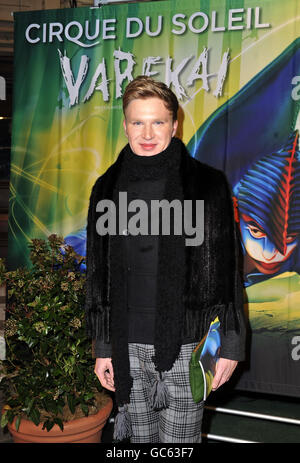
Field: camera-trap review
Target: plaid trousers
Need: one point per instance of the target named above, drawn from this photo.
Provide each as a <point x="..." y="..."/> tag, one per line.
<point x="181" y="421"/>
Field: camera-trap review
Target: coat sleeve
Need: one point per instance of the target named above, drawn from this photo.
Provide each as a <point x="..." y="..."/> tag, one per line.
<point x="96" y="310"/>
<point x="101" y="349"/>
<point x="233" y="341"/>
<point x="89" y="265"/>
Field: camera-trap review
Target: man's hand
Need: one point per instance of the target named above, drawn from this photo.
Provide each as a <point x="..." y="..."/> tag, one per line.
<point x="224" y="370"/>
<point x="104" y="371"/>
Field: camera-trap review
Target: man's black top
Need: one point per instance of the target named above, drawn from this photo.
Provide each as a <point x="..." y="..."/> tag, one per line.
<point x="142" y="262"/>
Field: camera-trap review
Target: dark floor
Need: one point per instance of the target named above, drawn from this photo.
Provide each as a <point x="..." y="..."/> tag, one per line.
<point x="249" y="428"/>
<point x="217" y="425"/>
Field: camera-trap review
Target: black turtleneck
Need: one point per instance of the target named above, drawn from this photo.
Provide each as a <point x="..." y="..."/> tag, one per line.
<point x="142" y="263"/>
<point x="147" y="177"/>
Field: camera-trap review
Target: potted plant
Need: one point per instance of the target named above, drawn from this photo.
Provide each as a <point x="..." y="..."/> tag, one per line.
<point x="48" y="378"/>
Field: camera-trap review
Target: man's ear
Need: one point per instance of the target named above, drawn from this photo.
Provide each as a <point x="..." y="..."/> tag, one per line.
<point x="175" y="126"/>
<point x="125" y="129"/>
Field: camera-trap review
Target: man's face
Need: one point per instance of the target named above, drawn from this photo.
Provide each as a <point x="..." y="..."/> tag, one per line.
<point x="149" y="126"/>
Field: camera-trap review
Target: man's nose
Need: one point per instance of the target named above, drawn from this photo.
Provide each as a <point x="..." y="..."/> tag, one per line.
<point x="148" y="131"/>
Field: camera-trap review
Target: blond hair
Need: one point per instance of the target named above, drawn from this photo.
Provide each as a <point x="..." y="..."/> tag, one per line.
<point x="145" y="87"/>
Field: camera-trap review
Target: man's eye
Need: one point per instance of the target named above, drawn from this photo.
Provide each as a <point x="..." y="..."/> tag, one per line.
<point x="137" y="123"/>
<point x="159" y="122"/>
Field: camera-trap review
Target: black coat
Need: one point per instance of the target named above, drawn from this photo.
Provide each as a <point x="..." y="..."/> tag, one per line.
<point x="196" y="283"/>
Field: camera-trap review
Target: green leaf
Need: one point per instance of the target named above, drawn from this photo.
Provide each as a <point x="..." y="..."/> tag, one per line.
<point x="50" y="405"/>
<point x="79" y="374"/>
<point x="71" y="403"/>
<point x="18" y="421"/>
<point x="4" y="419"/>
<point x="59" y="422"/>
<point x="85" y="409"/>
<point x="30" y="405"/>
<point x="10" y="415"/>
<point x="35" y="416"/>
<point x="48" y="425"/>
<point x="60" y="409"/>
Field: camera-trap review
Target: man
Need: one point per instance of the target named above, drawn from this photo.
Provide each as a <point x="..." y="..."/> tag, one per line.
<point x="151" y="297"/>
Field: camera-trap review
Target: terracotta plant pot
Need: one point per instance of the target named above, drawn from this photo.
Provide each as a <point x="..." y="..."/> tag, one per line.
<point x="82" y="430"/>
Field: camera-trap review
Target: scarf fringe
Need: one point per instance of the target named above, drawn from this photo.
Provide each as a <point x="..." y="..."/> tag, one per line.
<point x="227" y="313"/>
<point x="159" y="394"/>
<point x="195" y="320"/>
<point x="122" y="427"/>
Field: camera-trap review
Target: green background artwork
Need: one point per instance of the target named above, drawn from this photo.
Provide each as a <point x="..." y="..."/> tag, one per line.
<point x="71" y="67"/>
<point x="59" y="150"/>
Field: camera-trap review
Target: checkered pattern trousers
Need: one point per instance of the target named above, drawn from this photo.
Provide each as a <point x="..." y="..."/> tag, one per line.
<point x="181" y="421"/>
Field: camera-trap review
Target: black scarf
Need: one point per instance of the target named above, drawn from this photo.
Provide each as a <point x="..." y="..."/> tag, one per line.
<point x="171" y="250"/>
<point x="195" y="283"/>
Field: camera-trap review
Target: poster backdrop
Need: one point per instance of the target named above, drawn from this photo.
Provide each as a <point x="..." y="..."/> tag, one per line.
<point x="235" y="67"/>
